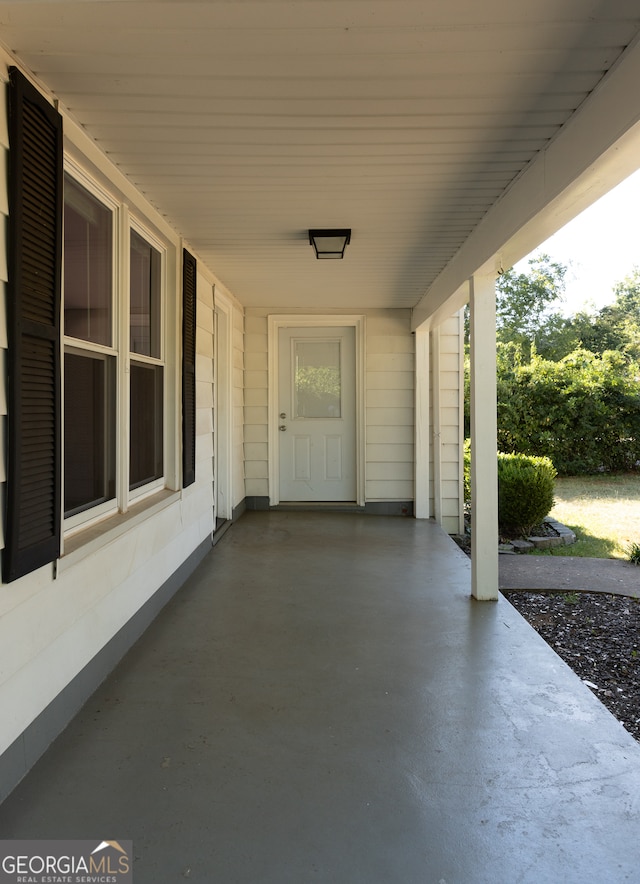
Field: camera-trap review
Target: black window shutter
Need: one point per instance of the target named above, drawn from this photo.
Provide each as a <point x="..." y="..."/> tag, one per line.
<point x="189" y="267"/>
<point x="33" y="507"/>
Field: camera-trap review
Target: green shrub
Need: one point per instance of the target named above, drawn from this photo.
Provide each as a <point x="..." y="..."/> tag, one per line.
<point x="525" y="492"/>
<point x="633" y="553"/>
<point x="467" y="469"/>
<point x="525" y="489"/>
<point x="583" y="411"/>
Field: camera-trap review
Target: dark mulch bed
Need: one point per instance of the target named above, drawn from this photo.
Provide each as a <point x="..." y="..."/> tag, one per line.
<point x="598" y="636"/>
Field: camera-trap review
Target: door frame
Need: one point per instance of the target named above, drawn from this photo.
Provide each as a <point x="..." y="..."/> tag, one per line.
<point x="288" y="320"/>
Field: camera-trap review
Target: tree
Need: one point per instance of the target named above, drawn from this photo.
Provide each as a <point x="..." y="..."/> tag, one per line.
<point x="619" y="322"/>
<point x="524" y="302"/>
<point x="614" y="327"/>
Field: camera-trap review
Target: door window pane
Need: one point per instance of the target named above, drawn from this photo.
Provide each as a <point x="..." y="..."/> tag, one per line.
<point x="89" y="431"/>
<point x="317" y="387"/>
<point x="146" y="456"/>
<point x="88" y="233"/>
<point x="144" y="297"/>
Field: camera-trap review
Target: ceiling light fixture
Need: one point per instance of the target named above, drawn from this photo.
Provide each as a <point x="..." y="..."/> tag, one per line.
<point x="329" y="243"/>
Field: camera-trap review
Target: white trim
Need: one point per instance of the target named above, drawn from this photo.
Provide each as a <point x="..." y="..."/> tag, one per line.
<point x="146" y="490"/>
<point x="68" y="344"/>
<point x="101" y="531"/>
<point x="123" y="418"/>
<point x="461" y="395"/>
<point x="295" y="320"/>
<point x="74" y="524"/>
<point x="437" y="424"/>
<point x="422" y="429"/>
<point x="161" y="247"/>
<point x="223" y="405"/>
<point x="484" y="446"/>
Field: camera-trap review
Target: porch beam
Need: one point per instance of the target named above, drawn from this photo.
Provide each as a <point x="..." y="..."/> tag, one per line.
<point x="595" y="150"/>
<point x="484" y="462"/>
<point x="422" y="509"/>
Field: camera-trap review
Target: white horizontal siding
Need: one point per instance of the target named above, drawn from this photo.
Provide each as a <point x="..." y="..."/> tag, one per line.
<point x="204" y="393"/>
<point x="238" y="427"/>
<point x="389" y="344"/>
<point x="392" y="490"/>
<point x="389" y="471"/>
<point x="450" y="449"/>
<point x="390" y="407"/>
<point x="389" y="380"/>
<point x="381" y="435"/>
<point x="256" y="399"/>
<point x="389" y="362"/>
<point x="393" y="397"/>
<point x="390" y="417"/>
<point x="389" y="453"/>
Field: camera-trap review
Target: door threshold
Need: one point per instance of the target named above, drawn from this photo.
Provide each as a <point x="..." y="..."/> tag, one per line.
<point x="371" y="508"/>
<point x="333" y="506"/>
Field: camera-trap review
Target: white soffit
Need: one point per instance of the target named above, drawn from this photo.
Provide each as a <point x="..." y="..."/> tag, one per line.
<point x="247" y="123"/>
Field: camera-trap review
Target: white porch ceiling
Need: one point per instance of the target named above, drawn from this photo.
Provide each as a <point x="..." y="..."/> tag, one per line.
<point x="247" y="122"/>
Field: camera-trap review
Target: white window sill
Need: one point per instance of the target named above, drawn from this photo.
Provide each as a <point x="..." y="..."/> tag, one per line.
<point x="84" y="543"/>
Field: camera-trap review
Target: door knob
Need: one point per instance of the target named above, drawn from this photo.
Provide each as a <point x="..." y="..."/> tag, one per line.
<point x="282" y="428"/>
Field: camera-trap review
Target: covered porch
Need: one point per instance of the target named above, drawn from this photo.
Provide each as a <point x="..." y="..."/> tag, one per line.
<point x="324" y="701"/>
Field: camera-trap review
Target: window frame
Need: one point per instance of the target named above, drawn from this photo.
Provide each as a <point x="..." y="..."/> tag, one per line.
<point x="86" y="517"/>
<point x="123" y="223"/>
<point x="142" y="491"/>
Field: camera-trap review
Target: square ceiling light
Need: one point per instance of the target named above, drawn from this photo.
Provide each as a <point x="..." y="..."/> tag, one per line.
<point x="329" y="243"/>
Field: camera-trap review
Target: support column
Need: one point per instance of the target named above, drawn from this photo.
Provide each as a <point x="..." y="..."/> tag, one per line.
<point x="484" y="444"/>
<point x="436" y="421"/>
<point x="422" y="431"/>
<point x="461" y="427"/>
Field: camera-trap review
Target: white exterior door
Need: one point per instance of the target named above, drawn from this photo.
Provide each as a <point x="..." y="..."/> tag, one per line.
<point x="317" y="414"/>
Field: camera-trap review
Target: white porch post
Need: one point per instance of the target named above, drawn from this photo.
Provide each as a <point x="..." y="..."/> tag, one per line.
<point x="436" y="420"/>
<point x="421" y="454"/>
<point x="484" y="466"/>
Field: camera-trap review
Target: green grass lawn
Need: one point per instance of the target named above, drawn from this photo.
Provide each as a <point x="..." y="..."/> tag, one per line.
<point x="604" y="512"/>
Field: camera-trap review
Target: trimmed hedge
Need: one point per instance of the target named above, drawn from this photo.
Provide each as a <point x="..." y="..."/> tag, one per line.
<point x="525" y="492"/>
<point x="583" y="412"/>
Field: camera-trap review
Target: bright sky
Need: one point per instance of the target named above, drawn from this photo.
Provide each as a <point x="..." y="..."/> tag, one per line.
<point x="602" y="246"/>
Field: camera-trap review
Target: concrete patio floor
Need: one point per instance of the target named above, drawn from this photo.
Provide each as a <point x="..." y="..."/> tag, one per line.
<point x="324" y="702"/>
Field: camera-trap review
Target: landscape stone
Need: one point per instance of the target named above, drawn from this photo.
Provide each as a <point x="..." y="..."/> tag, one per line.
<point x="522" y="545"/>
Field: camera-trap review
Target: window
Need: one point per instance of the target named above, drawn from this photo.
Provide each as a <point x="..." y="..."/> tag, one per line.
<point x="88" y="265"/>
<point x="144" y="297"/>
<point x="90" y="358"/>
<point x="89" y="429"/>
<point x="112" y="367"/>
<point x="146" y="391"/>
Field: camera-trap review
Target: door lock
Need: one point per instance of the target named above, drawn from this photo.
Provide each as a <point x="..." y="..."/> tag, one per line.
<point x="282" y="416"/>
